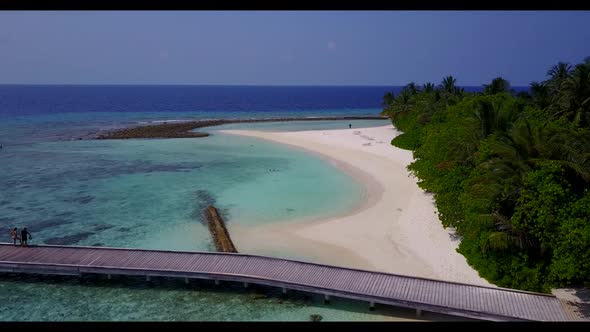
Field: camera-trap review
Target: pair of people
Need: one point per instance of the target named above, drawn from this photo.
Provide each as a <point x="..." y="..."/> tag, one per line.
<point x="24" y="236"/>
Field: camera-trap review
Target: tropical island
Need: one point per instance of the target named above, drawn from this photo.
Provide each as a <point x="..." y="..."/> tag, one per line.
<point x="136" y="172"/>
<point x="510" y="172"/>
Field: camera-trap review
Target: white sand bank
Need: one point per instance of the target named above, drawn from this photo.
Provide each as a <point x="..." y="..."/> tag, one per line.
<point x="396" y="229"/>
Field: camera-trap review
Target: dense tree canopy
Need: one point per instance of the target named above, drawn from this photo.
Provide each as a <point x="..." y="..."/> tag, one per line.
<point x="510" y="172"/>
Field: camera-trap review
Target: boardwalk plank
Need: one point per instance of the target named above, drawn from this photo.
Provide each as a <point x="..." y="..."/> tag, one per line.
<point x="67" y="257"/>
<point x="373" y="289"/>
<point x="128" y="259"/>
<point x="360" y="285"/>
<point x="390" y="287"/>
<point x="241" y="267"/>
<point x="380" y="285"/>
<point x="405" y="289"/>
<point x="133" y="260"/>
<point x="123" y="259"/>
<point x="207" y="264"/>
<point x="288" y="273"/>
<point x="33" y="257"/>
<point x="508" y="300"/>
<point x="88" y="257"/>
<point x="186" y="262"/>
<point x="203" y="264"/>
<point x="325" y="276"/>
<point x="412" y="290"/>
<point x="335" y="279"/>
<point x="312" y="277"/>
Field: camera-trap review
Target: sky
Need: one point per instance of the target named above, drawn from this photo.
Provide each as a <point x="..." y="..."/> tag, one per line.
<point x="287" y="47"/>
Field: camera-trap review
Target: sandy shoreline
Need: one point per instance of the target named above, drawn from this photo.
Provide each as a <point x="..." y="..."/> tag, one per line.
<point x="396" y="228"/>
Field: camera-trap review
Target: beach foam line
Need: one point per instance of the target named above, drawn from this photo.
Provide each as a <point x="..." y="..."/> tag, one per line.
<point x="165" y="121"/>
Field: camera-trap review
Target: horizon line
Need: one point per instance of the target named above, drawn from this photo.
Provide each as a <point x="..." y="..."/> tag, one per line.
<point x="226" y="85"/>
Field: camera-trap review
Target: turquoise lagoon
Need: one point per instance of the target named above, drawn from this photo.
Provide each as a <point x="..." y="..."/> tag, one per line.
<point x="150" y="194"/>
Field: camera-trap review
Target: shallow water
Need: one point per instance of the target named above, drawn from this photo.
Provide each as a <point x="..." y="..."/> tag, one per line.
<point x="35" y="298"/>
<point x="150" y="194"/>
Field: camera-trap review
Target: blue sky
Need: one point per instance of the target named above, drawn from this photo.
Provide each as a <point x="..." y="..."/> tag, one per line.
<point x="287" y="48"/>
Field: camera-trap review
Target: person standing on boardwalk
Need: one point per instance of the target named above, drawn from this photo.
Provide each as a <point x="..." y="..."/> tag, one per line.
<point x="24" y="236"/>
<point x="14" y="235"/>
<point x="349" y="125"/>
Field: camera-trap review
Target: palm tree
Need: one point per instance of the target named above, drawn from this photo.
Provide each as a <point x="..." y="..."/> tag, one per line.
<point x="540" y="94"/>
<point x="428" y="87"/>
<point x="448" y="84"/>
<point x="576" y="90"/>
<point x="558" y="74"/>
<point x="524" y="95"/>
<point x="401" y="105"/>
<point x="388" y="99"/>
<point x="412" y="88"/>
<point x="560" y="71"/>
<point x="571" y="97"/>
<point x="495" y="117"/>
<point x="506" y="236"/>
<point x="498" y="85"/>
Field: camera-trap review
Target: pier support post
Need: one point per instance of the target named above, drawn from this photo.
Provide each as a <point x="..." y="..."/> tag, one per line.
<point x="326" y="299"/>
<point x="284" y="291"/>
<point x="371" y="306"/>
<point x="108" y="276"/>
<point x="216" y="282"/>
<point x="147" y="278"/>
<point x="418" y="313"/>
<point x="186" y="280"/>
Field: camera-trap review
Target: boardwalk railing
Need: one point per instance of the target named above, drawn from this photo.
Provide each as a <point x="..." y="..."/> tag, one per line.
<point x="479" y="302"/>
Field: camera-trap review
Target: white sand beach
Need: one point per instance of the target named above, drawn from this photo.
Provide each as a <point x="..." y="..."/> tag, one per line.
<point x="395" y="230"/>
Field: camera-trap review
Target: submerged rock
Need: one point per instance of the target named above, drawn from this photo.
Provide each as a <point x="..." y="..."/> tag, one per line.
<point x="65" y="214"/>
<point x="102" y="227"/>
<point x="48" y="223"/>
<point x="70" y="239"/>
<point x="203" y="199"/>
<point x="81" y="200"/>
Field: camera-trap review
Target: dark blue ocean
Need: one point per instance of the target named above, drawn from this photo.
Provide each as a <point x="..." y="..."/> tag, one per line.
<point x="54" y="99"/>
<point x="30" y="100"/>
<point x="32" y="113"/>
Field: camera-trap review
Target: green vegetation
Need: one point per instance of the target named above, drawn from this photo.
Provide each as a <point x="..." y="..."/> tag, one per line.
<point x="510" y="172"/>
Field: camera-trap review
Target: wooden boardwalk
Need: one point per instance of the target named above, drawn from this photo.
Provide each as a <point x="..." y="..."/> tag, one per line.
<point x="449" y="298"/>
